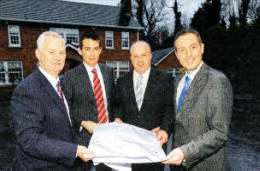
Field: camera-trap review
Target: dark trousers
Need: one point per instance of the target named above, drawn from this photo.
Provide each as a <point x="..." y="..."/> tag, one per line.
<point x="82" y="166"/>
<point x="148" y="167"/>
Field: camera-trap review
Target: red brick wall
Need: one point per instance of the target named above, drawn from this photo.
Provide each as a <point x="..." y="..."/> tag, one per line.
<point x="170" y="62"/>
<point x="30" y="32"/>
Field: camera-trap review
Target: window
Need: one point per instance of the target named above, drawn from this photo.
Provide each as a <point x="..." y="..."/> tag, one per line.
<point x="11" y="72"/>
<point x="71" y="36"/>
<point x="14" y="36"/>
<point x="119" y="67"/>
<point x="109" y="39"/>
<point x="125" y="40"/>
<point x="173" y="71"/>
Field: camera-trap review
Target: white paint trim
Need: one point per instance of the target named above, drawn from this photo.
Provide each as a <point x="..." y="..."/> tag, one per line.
<point x="164" y="57"/>
<point x="109" y="32"/>
<point x="127" y="35"/>
<point x="15" y="29"/>
<point x="72" y="47"/>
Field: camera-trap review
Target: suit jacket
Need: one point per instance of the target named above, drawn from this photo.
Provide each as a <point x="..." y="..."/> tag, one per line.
<point x="78" y="88"/>
<point x="202" y="122"/>
<point x="157" y="108"/>
<point x="45" y="140"/>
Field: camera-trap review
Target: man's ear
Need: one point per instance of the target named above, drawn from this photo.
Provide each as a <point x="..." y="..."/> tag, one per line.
<point x="37" y="54"/>
<point x="79" y="51"/>
<point x="202" y="47"/>
<point x="100" y="50"/>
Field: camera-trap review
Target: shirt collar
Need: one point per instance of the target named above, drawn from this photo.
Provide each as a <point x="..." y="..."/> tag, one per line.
<point x="49" y="77"/>
<point x="145" y="74"/>
<point x="194" y="72"/>
<point x="89" y="68"/>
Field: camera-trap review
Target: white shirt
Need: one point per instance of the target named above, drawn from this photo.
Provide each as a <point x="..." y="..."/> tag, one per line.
<point x="144" y="80"/>
<point x="54" y="82"/>
<point x="191" y="75"/>
<point x="100" y="76"/>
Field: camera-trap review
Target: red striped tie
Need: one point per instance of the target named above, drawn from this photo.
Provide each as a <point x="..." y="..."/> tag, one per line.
<point x="102" y="113"/>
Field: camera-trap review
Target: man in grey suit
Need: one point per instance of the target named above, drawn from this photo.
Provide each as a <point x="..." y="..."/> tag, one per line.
<point x="89" y="88"/>
<point x="203" y="99"/>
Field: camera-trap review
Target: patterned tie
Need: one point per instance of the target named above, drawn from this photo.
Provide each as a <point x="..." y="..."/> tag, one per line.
<point x="183" y="92"/>
<point x="139" y="92"/>
<point x="102" y="114"/>
<point x="58" y="86"/>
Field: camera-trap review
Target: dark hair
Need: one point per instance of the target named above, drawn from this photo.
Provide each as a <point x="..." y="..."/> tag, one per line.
<point x="185" y="31"/>
<point x="89" y="34"/>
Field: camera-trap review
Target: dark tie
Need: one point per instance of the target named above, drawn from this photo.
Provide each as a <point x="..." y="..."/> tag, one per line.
<point x="58" y="86"/>
<point x="183" y="92"/>
<point x="102" y="114"/>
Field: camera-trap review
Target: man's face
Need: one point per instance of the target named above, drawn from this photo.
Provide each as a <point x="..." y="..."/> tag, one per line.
<point x="52" y="55"/>
<point x="141" y="58"/>
<point x="189" y="51"/>
<point x="90" y="51"/>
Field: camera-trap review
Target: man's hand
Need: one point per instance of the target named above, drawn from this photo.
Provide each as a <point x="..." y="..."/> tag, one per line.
<point x="161" y="134"/>
<point x="89" y="125"/>
<point x="175" y="157"/>
<point x="84" y="154"/>
<point x="118" y="120"/>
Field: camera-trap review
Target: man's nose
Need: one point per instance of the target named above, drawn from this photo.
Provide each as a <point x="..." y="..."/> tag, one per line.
<point x="189" y="52"/>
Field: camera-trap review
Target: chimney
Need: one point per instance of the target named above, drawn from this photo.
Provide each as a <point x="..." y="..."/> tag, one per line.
<point x="125" y="12"/>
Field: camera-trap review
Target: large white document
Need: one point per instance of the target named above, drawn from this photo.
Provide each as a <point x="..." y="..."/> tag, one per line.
<point x="119" y="145"/>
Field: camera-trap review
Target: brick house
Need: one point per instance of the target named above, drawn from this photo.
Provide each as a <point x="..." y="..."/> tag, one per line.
<point x="22" y="21"/>
<point x="166" y="60"/>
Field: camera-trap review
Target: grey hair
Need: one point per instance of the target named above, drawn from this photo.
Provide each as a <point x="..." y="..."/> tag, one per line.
<point x="185" y="31"/>
<point x="140" y="41"/>
<point x="43" y="35"/>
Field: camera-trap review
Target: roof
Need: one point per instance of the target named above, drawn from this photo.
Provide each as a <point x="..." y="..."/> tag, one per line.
<point x="160" y="55"/>
<point x="62" y="12"/>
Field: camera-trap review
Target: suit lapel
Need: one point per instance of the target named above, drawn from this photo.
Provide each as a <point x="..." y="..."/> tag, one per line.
<point x="149" y="88"/>
<point x="130" y="89"/>
<point x="47" y="88"/>
<point x="105" y="75"/>
<point x="197" y="85"/>
<point x="176" y="84"/>
<point x="86" y="83"/>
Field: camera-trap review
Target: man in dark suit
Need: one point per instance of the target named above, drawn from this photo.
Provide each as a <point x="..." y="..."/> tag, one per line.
<point x="144" y="97"/>
<point x="41" y="116"/>
<point x="203" y="99"/>
<point x="89" y="88"/>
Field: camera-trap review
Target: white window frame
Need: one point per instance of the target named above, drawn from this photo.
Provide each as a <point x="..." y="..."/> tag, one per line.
<point x="125" y="37"/>
<point x="109" y="36"/>
<point x="65" y="32"/>
<point x="7" y="72"/>
<point x="116" y="65"/>
<point x="173" y="71"/>
<point x="14" y="31"/>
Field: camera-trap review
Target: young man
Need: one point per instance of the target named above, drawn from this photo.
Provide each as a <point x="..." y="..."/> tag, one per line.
<point x="89" y="88"/>
<point x="203" y="99"/>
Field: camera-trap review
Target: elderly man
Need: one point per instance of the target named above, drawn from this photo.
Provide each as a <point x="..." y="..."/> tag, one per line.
<point x="203" y="99"/>
<point x="144" y="97"/>
<point x="41" y="116"/>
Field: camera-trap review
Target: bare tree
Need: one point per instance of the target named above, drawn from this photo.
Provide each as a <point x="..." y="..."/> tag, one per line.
<point x="252" y="10"/>
<point x="243" y="12"/>
<point x="149" y="14"/>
